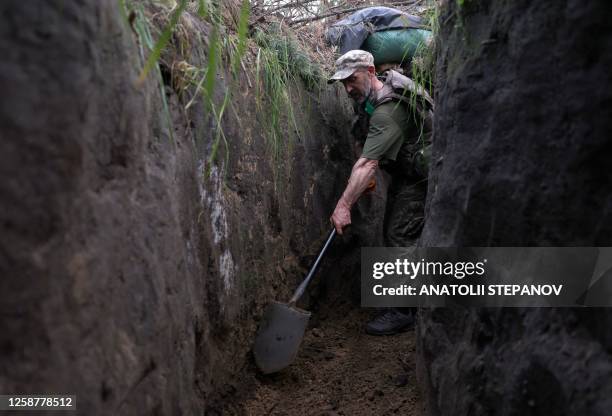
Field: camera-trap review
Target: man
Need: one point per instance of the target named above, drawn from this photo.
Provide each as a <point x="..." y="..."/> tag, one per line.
<point x="393" y="132"/>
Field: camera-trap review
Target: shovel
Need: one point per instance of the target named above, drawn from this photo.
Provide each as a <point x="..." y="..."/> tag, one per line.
<point x="283" y="325"/>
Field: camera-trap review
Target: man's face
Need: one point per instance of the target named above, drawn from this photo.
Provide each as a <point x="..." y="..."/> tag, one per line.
<point x="358" y="85"/>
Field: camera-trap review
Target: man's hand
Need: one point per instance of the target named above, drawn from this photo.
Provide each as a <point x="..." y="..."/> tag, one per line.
<point x="341" y="216"/>
<point x="362" y="177"/>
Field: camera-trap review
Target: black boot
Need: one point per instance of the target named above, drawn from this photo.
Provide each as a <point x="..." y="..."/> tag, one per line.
<point x="390" y="322"/>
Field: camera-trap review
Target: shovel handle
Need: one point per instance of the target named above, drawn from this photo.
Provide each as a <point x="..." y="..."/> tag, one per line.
<point x="302" y="287"/>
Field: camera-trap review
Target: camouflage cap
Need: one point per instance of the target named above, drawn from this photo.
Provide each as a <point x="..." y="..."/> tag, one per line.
<point x="350" y="62"/>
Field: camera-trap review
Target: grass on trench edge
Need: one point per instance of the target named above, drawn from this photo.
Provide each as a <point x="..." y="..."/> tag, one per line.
<point x="142" y="27"/>
<point x="280" y="62"/>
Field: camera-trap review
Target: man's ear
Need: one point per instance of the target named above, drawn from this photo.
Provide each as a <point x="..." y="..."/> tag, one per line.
<point x="372" y="70"/>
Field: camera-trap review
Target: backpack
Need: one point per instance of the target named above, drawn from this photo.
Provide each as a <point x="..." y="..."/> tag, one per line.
<point x="413" y="157"/>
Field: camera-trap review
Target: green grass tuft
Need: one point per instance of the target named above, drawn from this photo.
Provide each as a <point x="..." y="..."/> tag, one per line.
<point x="290" y="54"/>
<point x="146" y="44"/>
<point x="243" y="28"/>
<point x="281" y="62"/>
<point x="162" y="41"/>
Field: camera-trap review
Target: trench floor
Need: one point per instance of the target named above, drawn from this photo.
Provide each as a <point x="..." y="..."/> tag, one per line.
<point x="340" y="370"/>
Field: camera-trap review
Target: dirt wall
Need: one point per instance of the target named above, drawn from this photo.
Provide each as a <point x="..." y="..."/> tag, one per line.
<point x="133" y="269"/>
<point x="521" y="155"/>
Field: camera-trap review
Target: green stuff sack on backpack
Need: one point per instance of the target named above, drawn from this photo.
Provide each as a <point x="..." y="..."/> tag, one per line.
<point x="396" y="46"/>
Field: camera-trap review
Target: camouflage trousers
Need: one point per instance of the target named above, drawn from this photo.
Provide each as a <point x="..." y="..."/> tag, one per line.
<point x="405" y="211"/>
<point x="404" y="216"/>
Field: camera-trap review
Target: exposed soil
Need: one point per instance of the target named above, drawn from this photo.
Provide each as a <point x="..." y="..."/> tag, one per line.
<point x="340" y="370"/>
<point x="522" y="159"/>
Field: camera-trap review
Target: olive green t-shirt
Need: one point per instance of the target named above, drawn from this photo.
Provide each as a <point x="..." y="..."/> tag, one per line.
<point x="390" y="125"/>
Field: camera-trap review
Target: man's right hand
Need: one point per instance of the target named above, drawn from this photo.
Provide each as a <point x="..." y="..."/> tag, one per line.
<point x="362" y="178"/>
<point x="341" y="216"/>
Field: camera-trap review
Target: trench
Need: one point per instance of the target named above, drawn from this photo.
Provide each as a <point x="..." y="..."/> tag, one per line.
<point x="340" y="370"/>
<point x="148" y="218"/>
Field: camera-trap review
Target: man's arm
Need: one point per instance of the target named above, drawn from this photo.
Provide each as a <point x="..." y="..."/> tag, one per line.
<point x="361" y="176"/>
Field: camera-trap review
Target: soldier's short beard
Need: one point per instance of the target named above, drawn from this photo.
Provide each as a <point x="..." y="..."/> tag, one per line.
<point x="361" y="98"/>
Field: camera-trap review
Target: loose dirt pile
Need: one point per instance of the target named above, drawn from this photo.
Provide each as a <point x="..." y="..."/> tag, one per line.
<point x="340" y="370"/>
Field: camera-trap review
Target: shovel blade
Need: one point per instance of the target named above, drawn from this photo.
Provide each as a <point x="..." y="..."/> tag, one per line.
<point x="279" y="337"/>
